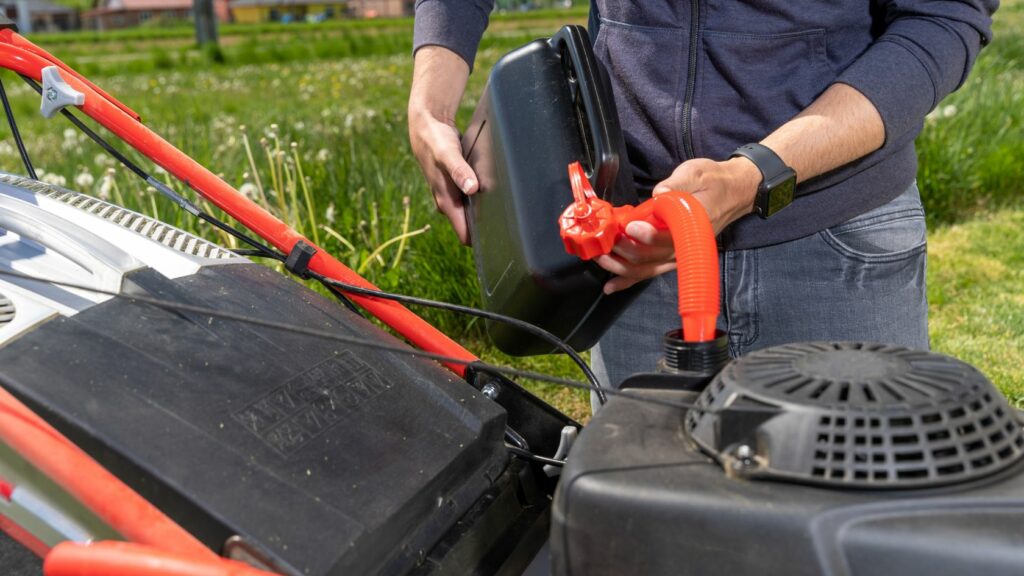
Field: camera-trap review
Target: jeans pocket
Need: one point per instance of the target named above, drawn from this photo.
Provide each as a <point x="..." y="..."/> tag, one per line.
<point x="886" y="234"/>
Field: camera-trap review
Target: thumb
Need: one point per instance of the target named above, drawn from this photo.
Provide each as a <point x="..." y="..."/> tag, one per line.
<point x="642" y="232"/>
<point x="459" y="171"/>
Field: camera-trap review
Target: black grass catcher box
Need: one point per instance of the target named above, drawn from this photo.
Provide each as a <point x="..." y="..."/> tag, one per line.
<point x="546" y="105"/>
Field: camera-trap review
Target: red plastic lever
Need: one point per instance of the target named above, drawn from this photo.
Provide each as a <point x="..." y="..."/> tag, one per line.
<point x="590" y="227"/>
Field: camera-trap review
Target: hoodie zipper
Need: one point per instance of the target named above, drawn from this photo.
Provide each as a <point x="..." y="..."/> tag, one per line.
<point x="691" y="80"/>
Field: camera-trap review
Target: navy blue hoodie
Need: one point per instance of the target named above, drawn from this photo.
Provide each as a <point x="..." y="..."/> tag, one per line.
<point x="698" y="79"/>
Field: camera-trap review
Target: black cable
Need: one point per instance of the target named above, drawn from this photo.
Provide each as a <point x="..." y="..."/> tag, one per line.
<point x="247" y="252"/>
<point x="515" y="322"/>
<point x="534" y="457"/>
<point x="17" y="134"/>
<point x="402" y="349"/>
<point x="330" y="283"/>
<point x="182" y="202"/>
<point x="259" y="249"/>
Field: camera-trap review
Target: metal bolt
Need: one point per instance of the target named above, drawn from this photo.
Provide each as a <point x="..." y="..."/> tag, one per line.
<point x="744" y="452"/>
<point x="51" y="94"/>
<point x="490" y="390"/>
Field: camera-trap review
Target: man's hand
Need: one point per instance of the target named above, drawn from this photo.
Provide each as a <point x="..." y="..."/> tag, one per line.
<point x="839" y="127"/>
<point x="439" y="79"/>
<point x="725" y="189"/>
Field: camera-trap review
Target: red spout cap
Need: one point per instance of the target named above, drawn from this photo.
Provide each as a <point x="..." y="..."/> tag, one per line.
<point x="588" y="226"/>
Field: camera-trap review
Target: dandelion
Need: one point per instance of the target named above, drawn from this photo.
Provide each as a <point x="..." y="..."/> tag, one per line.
<point x="55" y="179"/>
<point x="70" y="134"/>
<point x="323" y="154"/>
<point x="102" y="160"/>
<point x="330" y="213"/>
<point x="249" y="190"/>
<point x="106" y="184"/>
<point x="84" y="180"/>
<point x="949" y="111"/>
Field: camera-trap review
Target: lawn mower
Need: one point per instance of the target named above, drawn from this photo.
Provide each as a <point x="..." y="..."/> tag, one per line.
<point x="170" y="407"/>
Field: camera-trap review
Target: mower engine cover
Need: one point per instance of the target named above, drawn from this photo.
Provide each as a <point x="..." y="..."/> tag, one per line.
<point x="545" y="105"/>
<point x="835" y="459"/>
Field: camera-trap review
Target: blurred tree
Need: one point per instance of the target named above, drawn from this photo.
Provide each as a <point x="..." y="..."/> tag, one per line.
<point x="206" y="22"/>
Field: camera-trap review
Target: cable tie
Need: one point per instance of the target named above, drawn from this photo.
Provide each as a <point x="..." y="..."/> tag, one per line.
<point x="298" y="259"/>
<point x="173" y="196"/>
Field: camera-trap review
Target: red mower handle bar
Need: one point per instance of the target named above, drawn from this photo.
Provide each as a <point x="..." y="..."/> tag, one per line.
<point x="23" y="57"/>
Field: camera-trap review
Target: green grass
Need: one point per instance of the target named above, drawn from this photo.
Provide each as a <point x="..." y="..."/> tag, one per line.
<point x="345" y="112"/>
<point x="972" y="147"/>
<point x="976" y="294"/>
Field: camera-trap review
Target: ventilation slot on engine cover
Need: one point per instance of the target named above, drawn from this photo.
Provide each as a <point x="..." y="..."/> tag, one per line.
<point x="858" y="415"/>
<point x="6" y="310"/>
<point x="148" y="227"/>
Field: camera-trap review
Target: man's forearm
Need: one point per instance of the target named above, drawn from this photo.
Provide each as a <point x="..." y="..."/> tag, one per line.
<point x="839" y="127"/>
<point x="438" y="81"/>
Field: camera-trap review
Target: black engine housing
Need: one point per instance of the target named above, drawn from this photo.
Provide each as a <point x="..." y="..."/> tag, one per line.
<point x="639" y="496"/>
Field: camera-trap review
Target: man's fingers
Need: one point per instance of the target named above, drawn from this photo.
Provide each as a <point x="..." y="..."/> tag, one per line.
<point x="686" y="178"/>
<point x="449" y="202"/>
<point x="455" y="167"/>
<point x="644" y="243"/>
<point x="645" y="233"/>
<point x="625" y="269"/>
<point x="635" y="274"/>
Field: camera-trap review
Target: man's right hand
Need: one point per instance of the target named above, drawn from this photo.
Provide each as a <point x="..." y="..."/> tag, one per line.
<point x="439" y="79"/>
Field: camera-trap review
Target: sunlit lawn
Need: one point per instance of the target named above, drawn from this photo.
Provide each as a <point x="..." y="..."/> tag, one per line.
<point x="346" y="118"/>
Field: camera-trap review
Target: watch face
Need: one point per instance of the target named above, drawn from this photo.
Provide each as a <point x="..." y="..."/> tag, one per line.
<point x="781" y="195"/>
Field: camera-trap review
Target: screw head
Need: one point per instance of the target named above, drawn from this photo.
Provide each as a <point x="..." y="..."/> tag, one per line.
<point x="490" y="390"/>
<point x="51" y="94"/>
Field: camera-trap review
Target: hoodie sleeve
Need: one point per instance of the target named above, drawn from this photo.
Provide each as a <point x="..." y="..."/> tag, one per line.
<point x="924" y="53"/>
<point x="454" y="24"/>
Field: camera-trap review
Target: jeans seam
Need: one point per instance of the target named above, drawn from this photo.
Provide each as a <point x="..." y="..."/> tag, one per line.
<point x="756" y="316"/>
<point x="894" y="216"/>
<point x="865" y="257"/>
<point x="738" y="344"/>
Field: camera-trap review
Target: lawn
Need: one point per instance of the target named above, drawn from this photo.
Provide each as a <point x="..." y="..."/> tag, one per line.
<point x="311" y="122"/>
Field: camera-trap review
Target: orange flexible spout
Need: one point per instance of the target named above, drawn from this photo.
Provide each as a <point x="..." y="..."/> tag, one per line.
<point x="128" y="559"/>
<point x="591" y="226"/>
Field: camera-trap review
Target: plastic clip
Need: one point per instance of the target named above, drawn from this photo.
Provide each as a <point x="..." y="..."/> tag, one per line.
<point x="57" y="94"/>
<point x="298" y="259"/>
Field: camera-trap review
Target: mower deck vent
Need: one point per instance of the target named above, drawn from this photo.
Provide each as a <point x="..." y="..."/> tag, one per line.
<point x="856" y="415"/>
<point x="153" y="229"/>
<point x="6" y="310"/>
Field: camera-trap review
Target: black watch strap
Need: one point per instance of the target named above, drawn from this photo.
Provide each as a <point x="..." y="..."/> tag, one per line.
<point x="778" y="181"/>
<point x="766" y="160"/>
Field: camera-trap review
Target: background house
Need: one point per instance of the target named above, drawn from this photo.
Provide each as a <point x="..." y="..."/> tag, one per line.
<point x="123" y="13"/>
<point x="40" y="15"/>
<point x="381" y="8"/>
<point x="255" y="11"/>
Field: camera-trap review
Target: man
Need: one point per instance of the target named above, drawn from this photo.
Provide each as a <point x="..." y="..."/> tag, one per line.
<point x="724" y="100"/>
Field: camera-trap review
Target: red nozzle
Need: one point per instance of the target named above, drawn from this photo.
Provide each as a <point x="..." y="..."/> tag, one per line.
<point x="590" y="227"/>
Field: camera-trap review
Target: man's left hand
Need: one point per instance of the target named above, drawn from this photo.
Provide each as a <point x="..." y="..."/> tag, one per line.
<point x="725" y="189"/>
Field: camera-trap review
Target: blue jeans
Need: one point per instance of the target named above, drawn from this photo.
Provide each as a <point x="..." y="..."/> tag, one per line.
<point x="862" y="280"/>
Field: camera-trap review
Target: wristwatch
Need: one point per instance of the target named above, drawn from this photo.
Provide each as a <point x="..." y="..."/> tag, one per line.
<point x="778" y="181"/>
